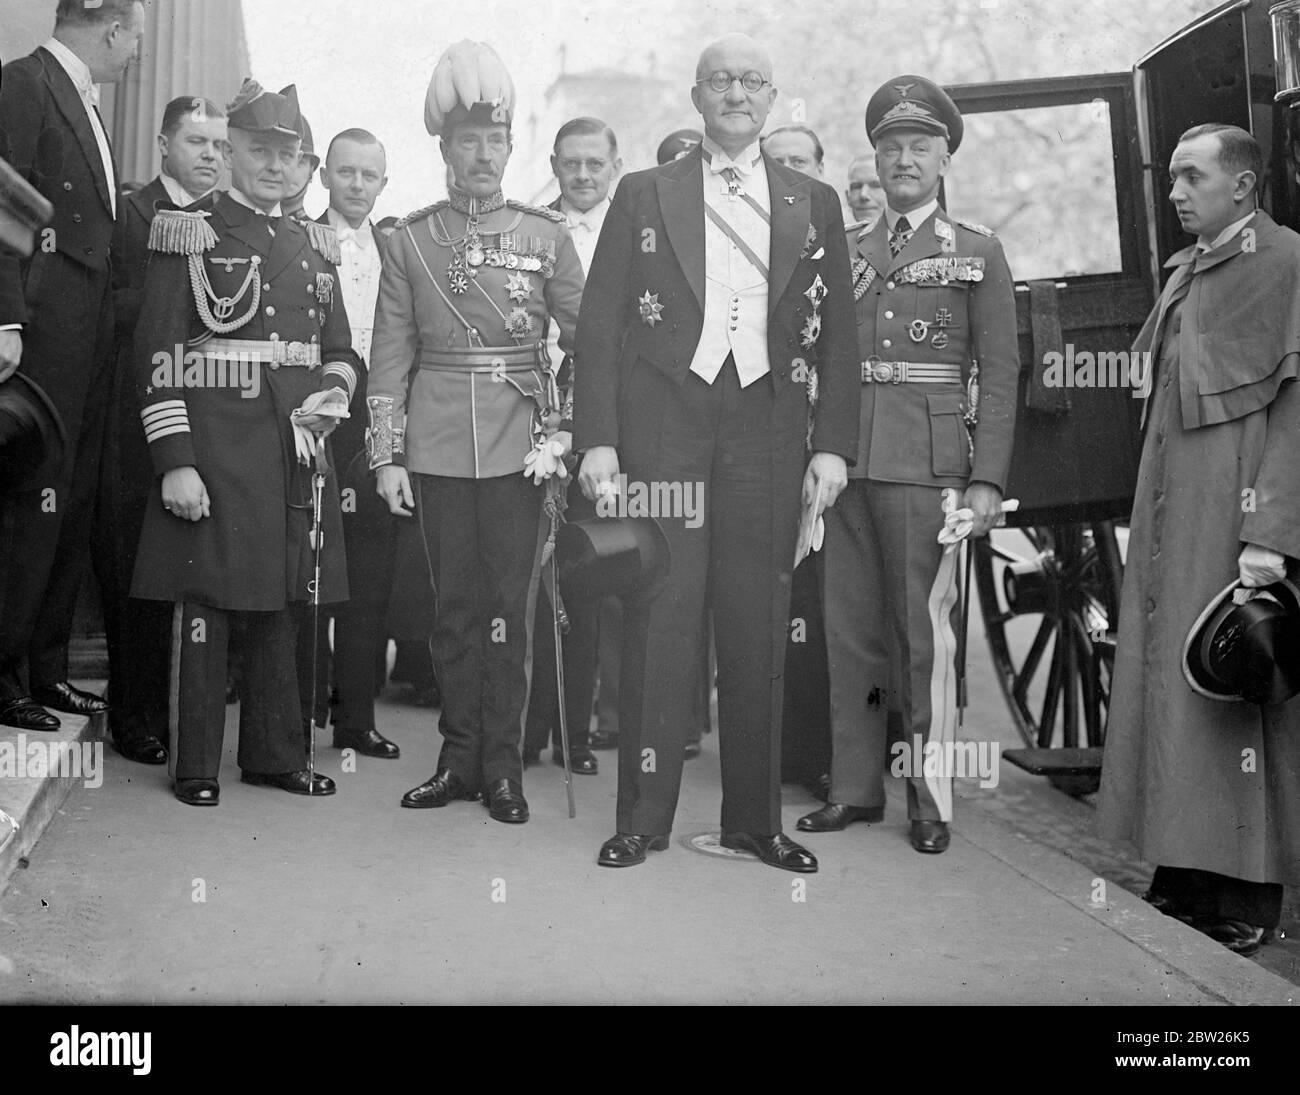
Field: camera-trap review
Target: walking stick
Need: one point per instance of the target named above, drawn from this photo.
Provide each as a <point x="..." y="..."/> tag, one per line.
<point x="317" y="540"/>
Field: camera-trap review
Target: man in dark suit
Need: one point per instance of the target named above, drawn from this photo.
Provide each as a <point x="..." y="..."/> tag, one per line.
<point x="56" y="322"/>
<point x="719" y="287"/>
<point x="138" y="632"/>
<point x="355" y="174"/>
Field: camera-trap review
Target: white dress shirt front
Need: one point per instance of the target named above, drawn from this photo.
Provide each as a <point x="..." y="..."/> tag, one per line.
<point x="735" y="289"/>
<point x="359" y="276"/>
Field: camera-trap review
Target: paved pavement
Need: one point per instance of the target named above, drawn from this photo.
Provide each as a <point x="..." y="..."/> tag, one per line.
<point x="131" y="896"/>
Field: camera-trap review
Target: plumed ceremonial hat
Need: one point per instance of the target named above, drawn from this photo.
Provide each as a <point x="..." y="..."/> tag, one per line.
<point x="32" y="438"/>
<point x="611" y="556"/>
<point x="1246" y="645"/>
<point x="676" y="145"/>
<point x="256" y="110"/>
<point x="913" y="102"/>
<point x="469" y="84"/>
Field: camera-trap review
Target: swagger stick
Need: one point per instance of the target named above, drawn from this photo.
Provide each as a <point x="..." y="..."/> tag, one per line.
<point x="557" y="612"/>
<point x="317" y="540"/>
<point x="963" y="595"/>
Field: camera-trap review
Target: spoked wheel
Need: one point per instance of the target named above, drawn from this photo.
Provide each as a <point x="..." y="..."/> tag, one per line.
<point x="1051" y="616"/>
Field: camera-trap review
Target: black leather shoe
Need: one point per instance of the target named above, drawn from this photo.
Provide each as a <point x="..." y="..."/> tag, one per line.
<point x="143" y="750"/>
<point x="198" y="792"/>
<point x="582" y="762"/>
<point x="369" y="743"/>
<point x="27" y="715"/>
<point x="71" y="701"/>
<point x="777" y="850"/>
<point x="443" y="787"/>
<point x="930" y="837"/>
<point x="835" y="816"/>
<point x="627" y="849"/>
<point x="691" y="750"/>
<point x="301" y="782"/>
<point x="1238" y="936"/>
<point x="505" y="802"/>
<point x="604" y="739"/>
<point x="1168" y="907"/>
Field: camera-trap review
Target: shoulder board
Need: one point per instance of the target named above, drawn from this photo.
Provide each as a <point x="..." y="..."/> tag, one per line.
<point x="324" y="240"/>
<point x="175" y="232"/>
<point x="537" y="210"/>
<point x="981" y="229"/>
<point x="420" y="214"/>
<point x="856" y="225"/>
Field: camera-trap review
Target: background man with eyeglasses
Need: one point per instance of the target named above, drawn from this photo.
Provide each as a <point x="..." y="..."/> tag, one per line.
<point x="718" y="281"/>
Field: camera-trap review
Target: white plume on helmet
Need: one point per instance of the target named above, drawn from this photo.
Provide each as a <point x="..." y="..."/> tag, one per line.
<point x="467" y="74"/>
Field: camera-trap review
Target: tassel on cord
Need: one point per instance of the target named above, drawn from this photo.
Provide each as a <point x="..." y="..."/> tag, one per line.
<point x="324" y="241"/>
<point x="177" y="233"/>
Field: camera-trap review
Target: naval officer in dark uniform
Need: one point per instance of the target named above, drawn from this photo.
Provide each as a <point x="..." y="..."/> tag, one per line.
<point x="937" y="331"/>
<point x="242" y="337"/>
<point x="465" y="296"/>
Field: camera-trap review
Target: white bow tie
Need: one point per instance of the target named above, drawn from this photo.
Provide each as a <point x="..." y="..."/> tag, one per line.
<point x="354" y="235"/>
<point x="580" y="222"/>
<point x="719" y="164"/>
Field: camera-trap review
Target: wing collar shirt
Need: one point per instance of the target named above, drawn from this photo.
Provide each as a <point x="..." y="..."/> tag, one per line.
<point x="735" y="283"/>
<point x="585" y="228"/>
<point x="359" y="277"/>
<point x="79" y="74"/>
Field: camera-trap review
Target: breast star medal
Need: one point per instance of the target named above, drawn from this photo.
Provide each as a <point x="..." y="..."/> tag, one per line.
<point x="651" y="310"/>
<point x="518" y="287"/>
<point x="519" y="324"/>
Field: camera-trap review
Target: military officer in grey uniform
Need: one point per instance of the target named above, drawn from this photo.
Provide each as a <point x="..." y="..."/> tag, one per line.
<point x="464" y="301"/>
<point x="937" y="331"/>
<point x="242" y="337"/>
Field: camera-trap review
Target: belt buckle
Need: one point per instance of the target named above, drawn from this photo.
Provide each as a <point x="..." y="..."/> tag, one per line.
<point x="296" y="353"/>
<point x="876" y="371"/>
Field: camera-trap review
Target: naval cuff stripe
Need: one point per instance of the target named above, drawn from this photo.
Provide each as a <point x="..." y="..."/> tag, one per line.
<point x="158" y="434"/>
<point x="346" y="371"/>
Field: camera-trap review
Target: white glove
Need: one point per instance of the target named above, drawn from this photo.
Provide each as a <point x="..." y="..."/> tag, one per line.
<point x="546" y="458"/>
<point x="1260" y="566"/>
<point x="305" y="442"/>
<point x="322" y="411"/>
<point x="957" y="523"/>
<point x="819" y="533"/>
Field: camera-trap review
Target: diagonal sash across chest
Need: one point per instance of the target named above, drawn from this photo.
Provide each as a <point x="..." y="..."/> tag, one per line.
<point x="725" y="227"/>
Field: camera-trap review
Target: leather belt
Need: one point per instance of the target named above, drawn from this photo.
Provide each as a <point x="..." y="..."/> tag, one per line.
<point x="274" y="353"/>
<point x="482" y="359"/>
<point x="875" y="371"/>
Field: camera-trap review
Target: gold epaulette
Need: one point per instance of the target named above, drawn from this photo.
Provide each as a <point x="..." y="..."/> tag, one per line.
<point x="324" y="240"/>
<point x="175" y="232"/>
<point x="980" y="228"/>
<point x="539" y="210"/>
<point x="420" y="214"/>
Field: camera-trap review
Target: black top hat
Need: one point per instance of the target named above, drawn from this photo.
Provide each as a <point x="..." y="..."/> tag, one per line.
<point x="913" y="102"/>
<point x="677" y="144"/>
<point x="611" y="556"/>
<point x="1246" y="651"/>
<point x="32" y="438"/>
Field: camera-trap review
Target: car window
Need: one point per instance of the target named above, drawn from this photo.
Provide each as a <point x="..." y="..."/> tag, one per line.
<point x="1044" y="180"/>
